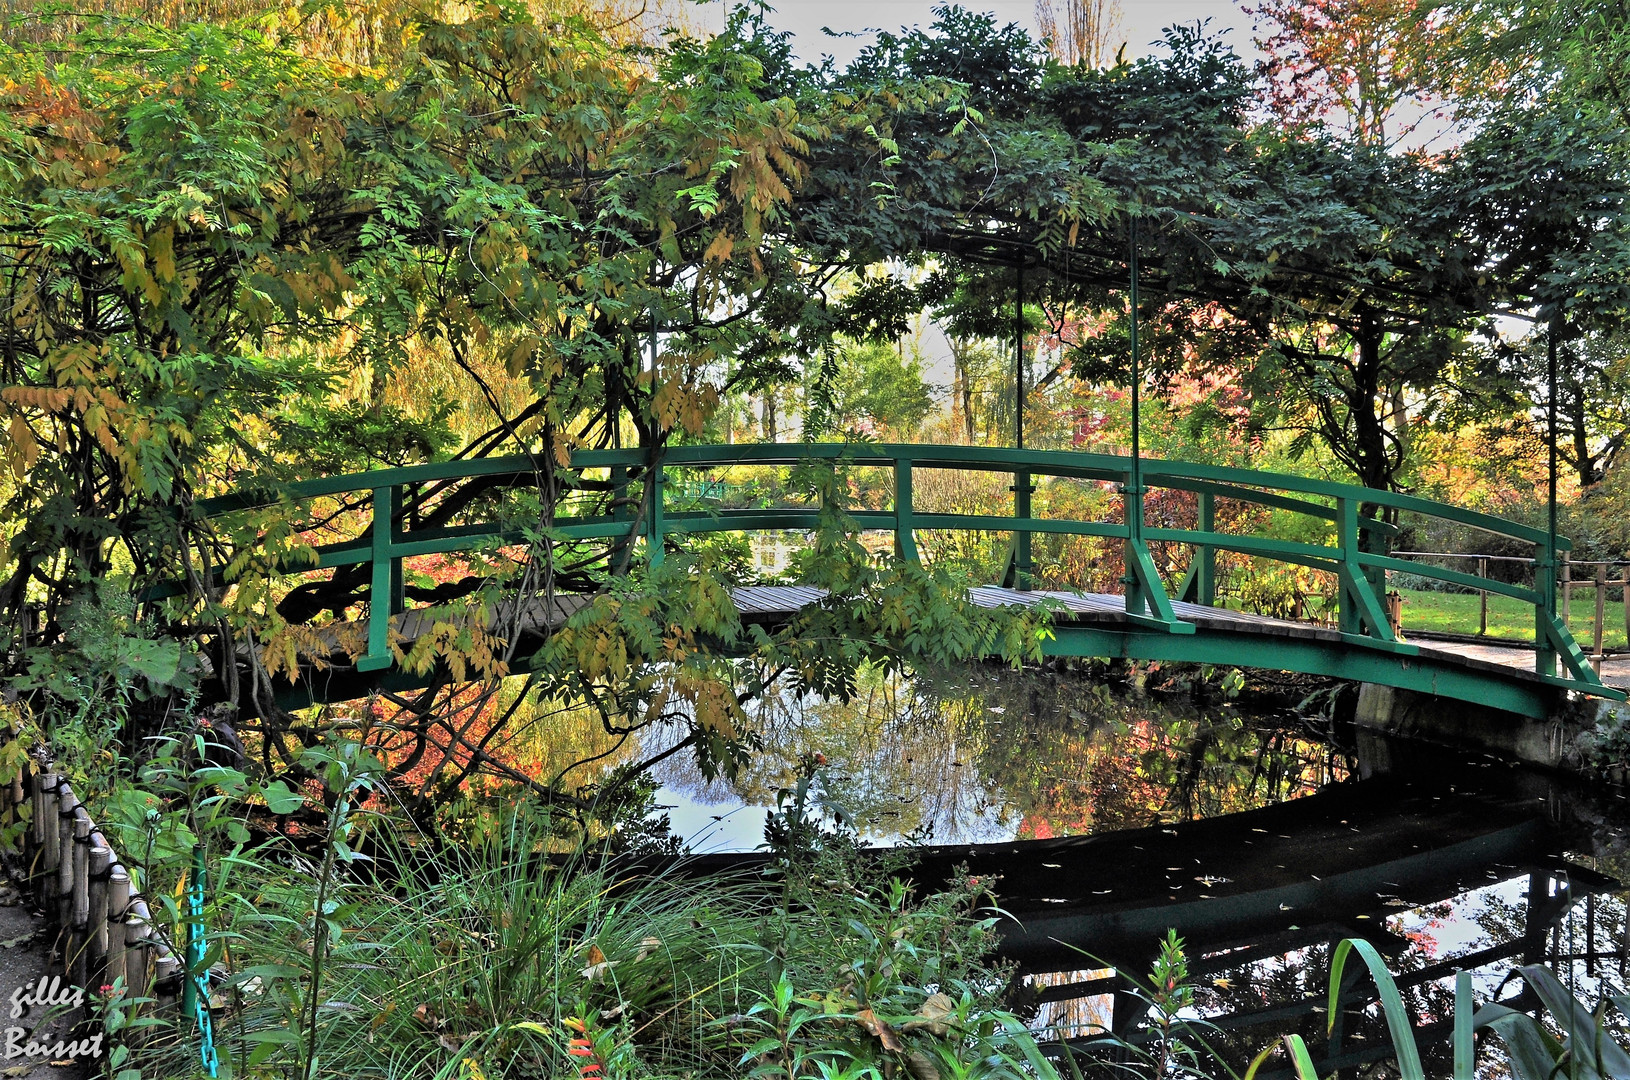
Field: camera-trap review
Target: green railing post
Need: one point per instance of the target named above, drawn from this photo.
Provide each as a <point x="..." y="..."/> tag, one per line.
<point x="905" y="544"/>
<point x="1200" y="583"/>
<point x="654" y="534"/>
<point x="620" y="512"/>
<point x="1545" y="611"/>
<point x="1376" y="542"/>
<point x="385" y="589"/>
<point x="1132" y="500"/>
<point x="1147" y="604"/>
<point x="1348" y="618"/>
<point x="1360" y="613"/>
<point x="1023" y="567"/>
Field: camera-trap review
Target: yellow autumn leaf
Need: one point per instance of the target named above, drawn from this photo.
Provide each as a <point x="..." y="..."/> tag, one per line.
<point x="721" y="247"/>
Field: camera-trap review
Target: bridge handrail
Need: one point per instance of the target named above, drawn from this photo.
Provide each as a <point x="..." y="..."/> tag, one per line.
<point x="1065" y="463"/>
<point x="1360" y="571"/>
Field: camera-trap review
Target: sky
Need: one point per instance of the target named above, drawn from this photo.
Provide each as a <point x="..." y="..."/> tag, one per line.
<point x="1141" y="21"/>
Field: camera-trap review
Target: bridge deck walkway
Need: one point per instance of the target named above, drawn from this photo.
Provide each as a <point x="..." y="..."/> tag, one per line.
<point x="773" y="604"/>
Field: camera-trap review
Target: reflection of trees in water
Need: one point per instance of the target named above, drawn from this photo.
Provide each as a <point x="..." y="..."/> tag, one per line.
<point x="896" y="767"/>
<point x="988" y="754"/>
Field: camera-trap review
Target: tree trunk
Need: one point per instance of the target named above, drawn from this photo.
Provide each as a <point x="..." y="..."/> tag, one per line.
<point x="1370" y="456"/>
<point x="1400" y="420"/>
<point x="1584" y="462"/>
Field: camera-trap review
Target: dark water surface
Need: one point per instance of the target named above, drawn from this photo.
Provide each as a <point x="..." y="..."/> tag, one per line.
<point x="1262" y="836"/>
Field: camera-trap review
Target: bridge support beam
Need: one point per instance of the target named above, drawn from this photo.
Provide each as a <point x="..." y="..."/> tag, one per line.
<point x="1147" y="604"/>
<point x="1422" y="673"/>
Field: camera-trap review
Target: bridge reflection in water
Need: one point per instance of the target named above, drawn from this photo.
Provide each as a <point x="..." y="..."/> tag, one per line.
<point x="1256" y="840"/>
<point x="1476" y="869"/>
<point x="1454" y="874"/>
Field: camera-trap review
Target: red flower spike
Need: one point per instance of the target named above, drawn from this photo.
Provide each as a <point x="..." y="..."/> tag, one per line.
<point x="583" y="1047"/>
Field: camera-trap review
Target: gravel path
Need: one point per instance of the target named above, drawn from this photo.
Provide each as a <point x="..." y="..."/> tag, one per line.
<point x="26" y="957"/>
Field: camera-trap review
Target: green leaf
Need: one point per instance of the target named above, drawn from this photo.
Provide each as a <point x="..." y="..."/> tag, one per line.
<point x="1465" y="1048"/>
<point x="1300" y="1058"/>
<point x="156" y="661"/>
<point x="1398" y="1025"/>
<point x="1534" y="1052"/>
<point x="280" y="798"/>
<point x="1587" y="1040"/>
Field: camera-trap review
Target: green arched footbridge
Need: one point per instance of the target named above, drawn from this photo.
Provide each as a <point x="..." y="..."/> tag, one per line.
<point x="397" y="515"/>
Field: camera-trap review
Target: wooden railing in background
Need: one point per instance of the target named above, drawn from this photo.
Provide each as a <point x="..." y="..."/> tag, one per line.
<point x="1567" y="583"/>
<point x="104" y="933"/>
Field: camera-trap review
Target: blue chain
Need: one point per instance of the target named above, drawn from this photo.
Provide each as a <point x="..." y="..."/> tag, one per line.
<point x="195" y="962"/>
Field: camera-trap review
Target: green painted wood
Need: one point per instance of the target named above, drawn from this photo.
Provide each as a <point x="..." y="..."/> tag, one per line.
<point x="1271" y="501"/>
<point x="1338" y="659"/>
<point x="1200" y="582"/>
<point x="654" y="516"/>
<point x="905" y="540"/>
<point x="1545" y="616"/>
<point x="381" y="588"/>
<point x="983" y="523"/>
<point x="1291" y="551"/>
<point x="1154" y="607"/>
<point x="1361" y="610"/>
<point x="1045" y="462"/>
<point x="1457" y="577"/>
<point x="1021" y="571"/>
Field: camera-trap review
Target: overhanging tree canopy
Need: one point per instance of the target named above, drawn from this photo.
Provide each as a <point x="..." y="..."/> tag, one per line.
<point x="209" y="244"/>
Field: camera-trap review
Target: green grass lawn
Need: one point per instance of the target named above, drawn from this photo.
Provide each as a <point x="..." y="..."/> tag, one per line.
<point x="1508" y="618"/>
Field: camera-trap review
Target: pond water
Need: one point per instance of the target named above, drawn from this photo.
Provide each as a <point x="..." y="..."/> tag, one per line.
<point x="1263" y="836"/>
<point x="992" y="755"/>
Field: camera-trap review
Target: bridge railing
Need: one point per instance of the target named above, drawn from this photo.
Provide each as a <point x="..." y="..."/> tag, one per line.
<point x="1355" y="549"/>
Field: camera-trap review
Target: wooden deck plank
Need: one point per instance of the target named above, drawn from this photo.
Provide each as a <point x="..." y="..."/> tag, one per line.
<point x="770" y="604"/>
